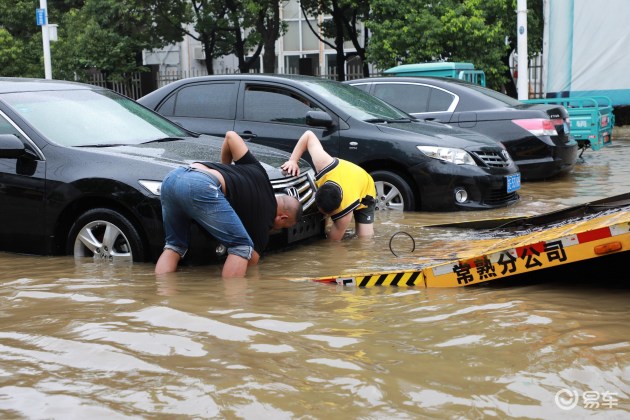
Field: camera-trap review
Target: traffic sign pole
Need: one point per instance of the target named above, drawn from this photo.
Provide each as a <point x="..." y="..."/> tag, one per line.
<point x="45" y="37"/>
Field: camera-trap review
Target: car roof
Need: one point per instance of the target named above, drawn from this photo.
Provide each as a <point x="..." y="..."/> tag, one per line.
<point x="307" y="84"/>
<point x="438" y="81"/>
<point x="22" y="84"/>
<point x="457" y="86"/>
<point x="291" y="78"/>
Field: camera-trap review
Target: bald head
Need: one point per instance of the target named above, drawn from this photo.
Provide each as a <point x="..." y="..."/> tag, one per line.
<point x="289" y="211"/>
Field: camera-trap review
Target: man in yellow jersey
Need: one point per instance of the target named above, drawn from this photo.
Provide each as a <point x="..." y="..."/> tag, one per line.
<point x="343" y="188"/>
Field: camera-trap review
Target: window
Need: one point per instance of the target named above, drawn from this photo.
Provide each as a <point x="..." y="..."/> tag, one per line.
<point x="410" y="98"/>
<point x="413" y="98"/>
<point x="364" y="87"/>
<point x="440" y="100"/>
<point x="275" y="105"/>
<point x="199" y="101"/>
<point x="6" y="127"/>
<point x="310" y="41"/>
<point x="291" y="39"/>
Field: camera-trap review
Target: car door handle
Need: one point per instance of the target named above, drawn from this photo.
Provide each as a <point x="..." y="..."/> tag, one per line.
<point x="248" y="135"/>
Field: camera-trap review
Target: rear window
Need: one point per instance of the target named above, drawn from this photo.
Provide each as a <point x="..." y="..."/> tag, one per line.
<point x="414" y="98"/>
<point x="410" y="98"/>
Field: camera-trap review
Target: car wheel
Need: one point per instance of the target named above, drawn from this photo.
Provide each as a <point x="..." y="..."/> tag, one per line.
<point x="392" y="192"/>
<point x="105" y="234"/>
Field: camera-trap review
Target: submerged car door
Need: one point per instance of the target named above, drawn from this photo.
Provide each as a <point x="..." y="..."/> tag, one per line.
<point x="22" y="193"/>
<point x="275" y="115"/>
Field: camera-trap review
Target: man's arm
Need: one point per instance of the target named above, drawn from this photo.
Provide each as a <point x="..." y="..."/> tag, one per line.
<point x="338" y="228"/>
<point x="307" y="142"/>
<point x="233" y="148"/>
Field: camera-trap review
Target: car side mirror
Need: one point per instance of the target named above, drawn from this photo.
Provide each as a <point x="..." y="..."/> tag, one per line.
<point x="11" y="146"/>
<point x="318" y="119"/>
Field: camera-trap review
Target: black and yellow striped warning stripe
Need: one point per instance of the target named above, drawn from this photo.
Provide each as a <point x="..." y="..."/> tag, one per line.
<point x="395" y="278"/>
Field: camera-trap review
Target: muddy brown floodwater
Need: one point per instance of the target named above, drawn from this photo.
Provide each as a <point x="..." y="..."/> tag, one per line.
<point x="80" y="339"/>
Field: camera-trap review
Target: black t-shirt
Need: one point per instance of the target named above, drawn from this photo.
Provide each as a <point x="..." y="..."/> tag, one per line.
<point x="248" y="190"/>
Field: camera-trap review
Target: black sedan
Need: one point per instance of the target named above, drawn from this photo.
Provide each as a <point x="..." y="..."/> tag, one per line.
<point x="536" y="136"/>
<point x="416" y="165"/>
<point x="81" y="169"/>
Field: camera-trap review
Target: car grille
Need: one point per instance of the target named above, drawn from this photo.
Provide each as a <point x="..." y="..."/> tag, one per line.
<point x="494" y="159"/>
<point x="302" y="187"/>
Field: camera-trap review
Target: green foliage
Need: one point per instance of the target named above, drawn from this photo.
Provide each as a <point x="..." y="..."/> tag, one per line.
<point x="20" y="40"/>
<point x="10" y="52"/>
<point x="475" y="31"/>
<point x="109" y="35"/>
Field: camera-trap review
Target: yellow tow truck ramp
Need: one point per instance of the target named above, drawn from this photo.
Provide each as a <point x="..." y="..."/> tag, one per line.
<point x="559" y="239"/>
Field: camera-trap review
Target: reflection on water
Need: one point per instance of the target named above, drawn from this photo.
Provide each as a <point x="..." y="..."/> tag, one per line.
<point x="93" y="340"/>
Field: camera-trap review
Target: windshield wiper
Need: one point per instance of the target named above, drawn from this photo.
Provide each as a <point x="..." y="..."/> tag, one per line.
<point x="162" y="140"/>
<point x="103" y="145"/>
<point x="388" y="120"/>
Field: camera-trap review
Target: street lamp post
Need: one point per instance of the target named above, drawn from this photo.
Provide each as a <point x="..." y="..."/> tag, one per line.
<point x="522" y="83"/>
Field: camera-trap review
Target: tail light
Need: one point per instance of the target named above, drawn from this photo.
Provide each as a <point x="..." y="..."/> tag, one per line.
<point x="540" y="126"/>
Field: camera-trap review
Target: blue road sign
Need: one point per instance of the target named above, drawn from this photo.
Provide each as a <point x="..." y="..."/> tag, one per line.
<point x="40" y="16"/>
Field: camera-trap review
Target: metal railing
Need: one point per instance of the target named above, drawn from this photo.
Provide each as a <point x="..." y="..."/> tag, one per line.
<point x="131" y="86"/>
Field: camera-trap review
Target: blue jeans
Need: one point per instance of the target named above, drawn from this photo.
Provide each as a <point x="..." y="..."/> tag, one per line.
<point x="190" y="194"/>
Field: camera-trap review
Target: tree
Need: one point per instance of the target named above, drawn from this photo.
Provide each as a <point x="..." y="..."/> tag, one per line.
<point x="237" y="27"/>
<point x="21" y="49"/>
<point x="474" y="31"/>
<point x="243" y="20"/>
<point x="110" y="35"/>
<point x="254" y="25"/>
<point x="106" y="35"/>
<point x="269" y="26"/>
<point x="345" y="24"/>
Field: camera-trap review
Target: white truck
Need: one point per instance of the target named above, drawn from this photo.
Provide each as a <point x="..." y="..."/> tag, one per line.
<point x="585" y="64"/>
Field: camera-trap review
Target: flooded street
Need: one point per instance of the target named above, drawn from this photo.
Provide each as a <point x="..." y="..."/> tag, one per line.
<point x="83" y="340"/>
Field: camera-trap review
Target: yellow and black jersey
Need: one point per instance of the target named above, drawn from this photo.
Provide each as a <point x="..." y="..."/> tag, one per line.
<point x="356" y="184"/>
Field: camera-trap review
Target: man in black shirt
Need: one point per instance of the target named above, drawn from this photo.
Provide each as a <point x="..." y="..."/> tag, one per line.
<point x="234" y="203"/>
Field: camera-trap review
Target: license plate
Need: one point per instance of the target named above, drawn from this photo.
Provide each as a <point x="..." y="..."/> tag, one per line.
<point x="513" y="182"/>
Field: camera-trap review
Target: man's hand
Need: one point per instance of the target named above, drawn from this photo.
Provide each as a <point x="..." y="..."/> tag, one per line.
<point x="291" y="167"/>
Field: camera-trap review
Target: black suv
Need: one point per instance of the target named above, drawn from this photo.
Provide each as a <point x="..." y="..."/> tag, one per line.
<point x="81" y="169"/>
<point x="416" y="165"/>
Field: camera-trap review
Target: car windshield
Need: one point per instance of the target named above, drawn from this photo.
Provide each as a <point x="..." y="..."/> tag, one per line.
<point x="357" y="103"/>
<point x="91" y="118"/>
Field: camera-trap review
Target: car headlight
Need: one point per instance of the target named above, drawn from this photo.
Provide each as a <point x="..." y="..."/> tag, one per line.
<point x="153" y="187"/>
<point x="448" y="154"/>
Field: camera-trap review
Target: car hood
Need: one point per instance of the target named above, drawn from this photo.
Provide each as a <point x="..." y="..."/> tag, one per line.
<point x="428" y="133"/>
<point x="186" y="150"/>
